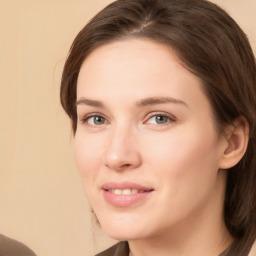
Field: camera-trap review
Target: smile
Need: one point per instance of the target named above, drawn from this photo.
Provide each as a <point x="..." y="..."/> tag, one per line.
<point x="126" y="191"/>
<point x="125" y="194"/>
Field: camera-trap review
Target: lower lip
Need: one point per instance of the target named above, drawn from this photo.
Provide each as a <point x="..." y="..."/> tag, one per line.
<point x="125" y="200"/>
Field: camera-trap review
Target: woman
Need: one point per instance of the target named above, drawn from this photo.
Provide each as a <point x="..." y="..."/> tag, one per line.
<point x="162" y="99"/>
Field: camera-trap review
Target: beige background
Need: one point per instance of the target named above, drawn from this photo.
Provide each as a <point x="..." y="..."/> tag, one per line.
<point x="42" y="202"/>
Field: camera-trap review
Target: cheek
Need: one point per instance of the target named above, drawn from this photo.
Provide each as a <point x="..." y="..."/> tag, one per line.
<point x="186" y="170"/>
<point x="184" y="159"/>
<point x="181" y="147"/>
<point x="87" y="156"/>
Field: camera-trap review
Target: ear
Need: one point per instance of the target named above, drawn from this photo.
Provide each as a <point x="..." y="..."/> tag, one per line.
<point x="236" y="136"/>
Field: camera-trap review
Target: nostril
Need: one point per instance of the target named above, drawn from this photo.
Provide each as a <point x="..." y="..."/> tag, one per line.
<point x="125" y="166"/>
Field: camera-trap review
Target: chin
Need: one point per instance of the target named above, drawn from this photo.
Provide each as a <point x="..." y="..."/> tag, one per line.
<point x="123" y="231"/>
<point x="123" y="236"/>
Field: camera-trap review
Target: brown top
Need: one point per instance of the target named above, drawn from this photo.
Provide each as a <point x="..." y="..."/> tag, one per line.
<point x="11" y="247"/>
<point x="120" y="249"/>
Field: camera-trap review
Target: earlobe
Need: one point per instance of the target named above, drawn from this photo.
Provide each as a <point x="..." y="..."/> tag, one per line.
<point x="237" y="136"/>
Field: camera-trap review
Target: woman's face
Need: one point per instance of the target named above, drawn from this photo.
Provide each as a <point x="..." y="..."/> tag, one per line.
<point x="146" y="143"/>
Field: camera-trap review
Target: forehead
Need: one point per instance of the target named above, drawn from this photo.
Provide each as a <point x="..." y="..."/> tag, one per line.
<point x="127" y="51"/>
<point x="133" y="63"/>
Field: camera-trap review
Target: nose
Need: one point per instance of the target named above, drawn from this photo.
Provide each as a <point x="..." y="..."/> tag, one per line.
<point x="122" y="151"/>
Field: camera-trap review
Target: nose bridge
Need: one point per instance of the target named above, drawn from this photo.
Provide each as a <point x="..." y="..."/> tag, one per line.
<point x="122" y="151"/>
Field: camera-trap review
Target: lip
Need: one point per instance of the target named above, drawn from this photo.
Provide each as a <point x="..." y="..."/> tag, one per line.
<point x="125" y="200"/>
<point x="124" y="185"/>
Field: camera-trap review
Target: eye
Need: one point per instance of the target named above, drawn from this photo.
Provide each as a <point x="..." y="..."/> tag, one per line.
<point x="160" y="119"/>
<point x="94" y="120"/>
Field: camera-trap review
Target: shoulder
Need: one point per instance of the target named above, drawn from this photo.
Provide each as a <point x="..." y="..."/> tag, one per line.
<point x="11" y="247"/>
<point x="120" y="249"/>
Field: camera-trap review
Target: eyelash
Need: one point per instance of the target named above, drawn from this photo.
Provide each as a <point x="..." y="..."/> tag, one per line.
<point x="170" y="118"/>
<point x="85" y="119"/>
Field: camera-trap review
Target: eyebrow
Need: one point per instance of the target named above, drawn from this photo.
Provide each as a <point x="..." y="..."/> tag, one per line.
<point x="140" y="103"/>
<point x="93" y="103"/>
<point x="159" y="100"/>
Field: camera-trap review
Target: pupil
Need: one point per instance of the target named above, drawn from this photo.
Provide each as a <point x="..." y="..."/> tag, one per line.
<point x="161" y="119"/>
<point x="98" y="120"/>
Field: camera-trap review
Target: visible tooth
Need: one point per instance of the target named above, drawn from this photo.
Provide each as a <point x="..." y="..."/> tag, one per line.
<point x="127" y="191"/>
<point x="118" y="191"/>
<point x="134" y="191"/>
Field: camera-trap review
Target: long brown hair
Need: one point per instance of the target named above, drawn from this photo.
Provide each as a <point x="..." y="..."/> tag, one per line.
<point x="212" y="46"/>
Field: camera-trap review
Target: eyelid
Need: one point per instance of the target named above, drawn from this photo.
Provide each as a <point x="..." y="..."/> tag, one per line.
<point x="84" y="118"/>
<point x="171" y="117"/>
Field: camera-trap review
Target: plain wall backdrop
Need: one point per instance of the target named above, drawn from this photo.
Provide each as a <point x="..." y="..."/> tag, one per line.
<point x="42" y="201"/>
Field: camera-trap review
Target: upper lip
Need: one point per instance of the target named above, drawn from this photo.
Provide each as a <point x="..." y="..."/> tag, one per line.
<point x="125" y="185"/>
